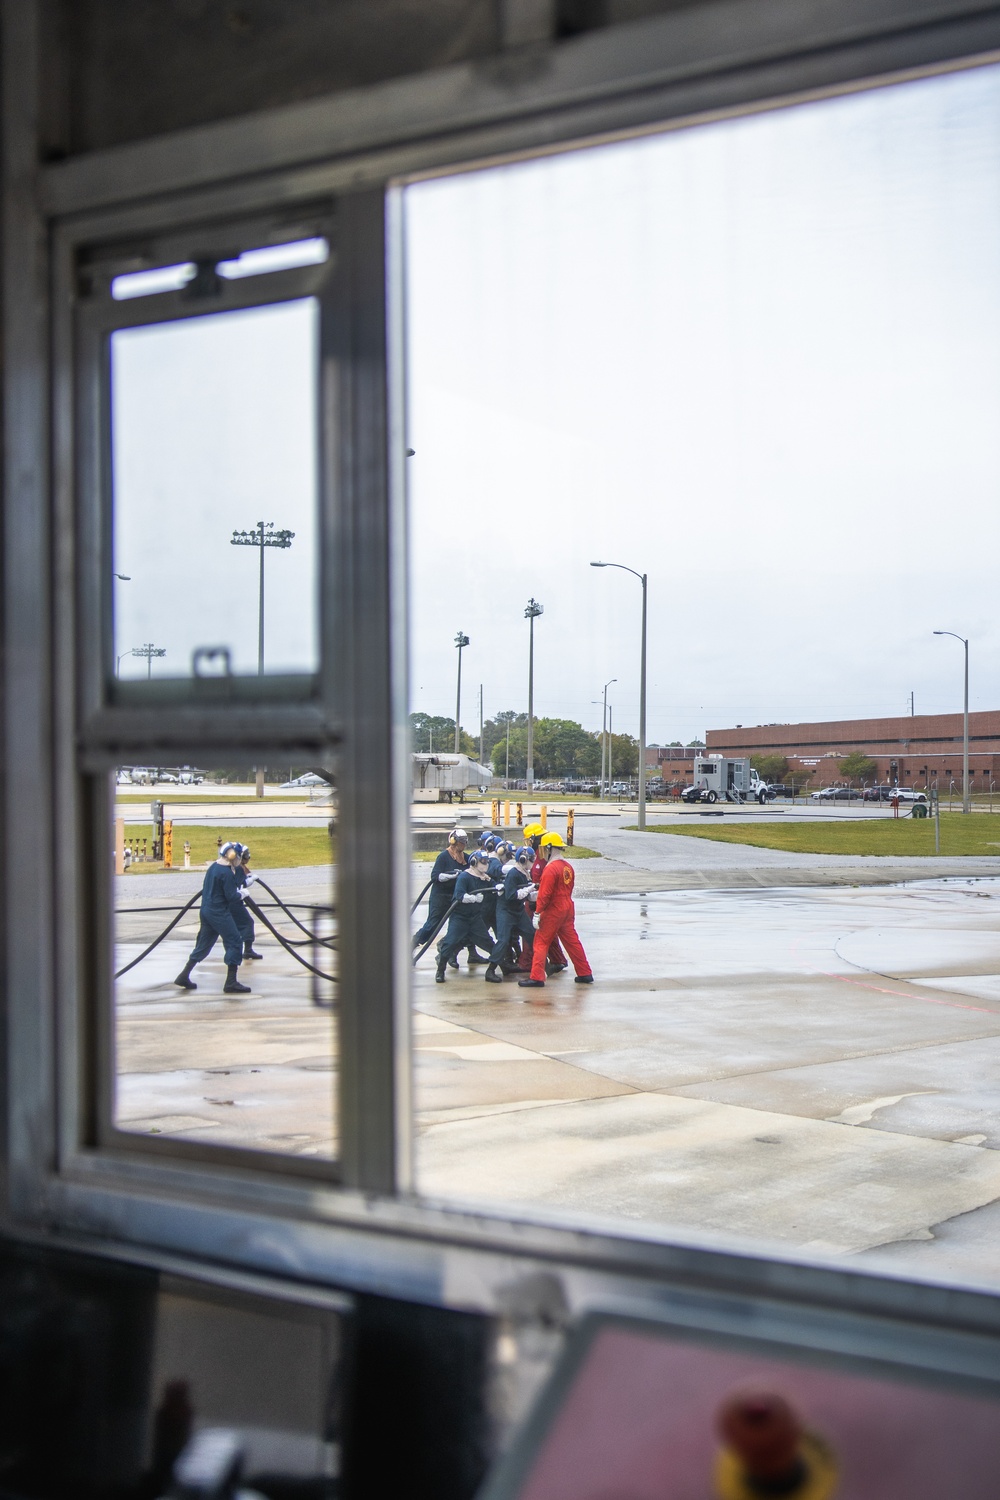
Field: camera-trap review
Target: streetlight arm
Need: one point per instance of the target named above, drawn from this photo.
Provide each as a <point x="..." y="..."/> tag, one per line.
<point x="641" y="576"/>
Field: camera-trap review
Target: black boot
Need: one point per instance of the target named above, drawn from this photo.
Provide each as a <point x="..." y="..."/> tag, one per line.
<point x="232" y="985"/>
<point x="475" y="957"/>
<point x="184" y="977"/>
<point x="249" y="951"/>
<point x="442" y="964"/>
<point x="491" y="976"/>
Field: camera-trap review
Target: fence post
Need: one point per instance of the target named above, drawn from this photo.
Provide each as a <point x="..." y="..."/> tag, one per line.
<point x="168" y="843"/>
<point x="506" y="813"/>
<point x="543" y="817"/>
<point x="570" y="821"/>
<point x="520" y="814"/>
<point x="119" y="846"/>
<point x="495" y="813"/>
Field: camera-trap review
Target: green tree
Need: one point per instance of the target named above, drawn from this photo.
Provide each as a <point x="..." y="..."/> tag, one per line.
<point x="772" y="767"/>
<point x="696" y="744"/>
<point x="432" y="732"/>
<point x="799" y="775"/>
<point x="495" y="738"/>
<point x="624" y="757"/>
<point x="858" y="767"/>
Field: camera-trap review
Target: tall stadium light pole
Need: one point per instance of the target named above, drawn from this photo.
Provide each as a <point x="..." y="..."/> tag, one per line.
<point x="604" y="740"/>
<point x="531" y="613"/>
<point x="642" y="688"/>
<point x="966" y="795"/>
<point x="480" y="724"/>
<point x="149" y="651"/>
<point x="263" y="536"/>
<point x="461" y="641"/>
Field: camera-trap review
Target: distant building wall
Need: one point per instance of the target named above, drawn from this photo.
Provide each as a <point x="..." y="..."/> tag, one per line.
<point x="914" y="750"/>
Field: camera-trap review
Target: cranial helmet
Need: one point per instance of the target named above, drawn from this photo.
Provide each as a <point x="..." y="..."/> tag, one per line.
<point x="458" y="836"/>
<point x="525" y="852"/>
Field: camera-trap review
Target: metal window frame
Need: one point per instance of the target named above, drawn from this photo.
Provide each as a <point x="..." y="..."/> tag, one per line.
<point x="720" y="58"/>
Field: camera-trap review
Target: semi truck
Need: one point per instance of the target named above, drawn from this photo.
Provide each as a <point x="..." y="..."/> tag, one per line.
<point x="440" y="778"/>
<point x="717" y="778"/>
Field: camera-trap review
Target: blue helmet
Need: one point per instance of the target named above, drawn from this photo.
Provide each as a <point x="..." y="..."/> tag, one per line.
<point x="525" y="852"/>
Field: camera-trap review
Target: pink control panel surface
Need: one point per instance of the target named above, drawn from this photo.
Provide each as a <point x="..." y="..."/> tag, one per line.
<point x="639" y="1419"/>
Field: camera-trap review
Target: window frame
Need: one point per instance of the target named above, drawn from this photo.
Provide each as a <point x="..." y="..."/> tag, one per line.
<point x="675" y="70"/>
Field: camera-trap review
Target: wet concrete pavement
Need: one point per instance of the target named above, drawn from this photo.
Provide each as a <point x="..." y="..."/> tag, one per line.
<point x="811" y="1067"/>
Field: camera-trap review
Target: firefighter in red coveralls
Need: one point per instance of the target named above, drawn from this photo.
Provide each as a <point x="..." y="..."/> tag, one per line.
<point x="555" y="959"/>
<point x="555" y="914"/>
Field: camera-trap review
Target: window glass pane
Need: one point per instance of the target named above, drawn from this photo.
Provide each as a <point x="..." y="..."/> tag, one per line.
<point x="214" y="453"/>
<point x="737" y="366"/>
<point x="195" y="1057"/>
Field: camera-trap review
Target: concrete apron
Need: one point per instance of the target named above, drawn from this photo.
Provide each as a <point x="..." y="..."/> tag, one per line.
<point x="815" y="1067"/>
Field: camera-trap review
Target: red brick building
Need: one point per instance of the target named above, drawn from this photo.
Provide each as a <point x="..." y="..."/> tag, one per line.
<point x="674" y="763"/>
<point x="914" y="751"/>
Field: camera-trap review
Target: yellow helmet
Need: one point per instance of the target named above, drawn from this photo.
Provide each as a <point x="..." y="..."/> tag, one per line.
<point x="554" y="839"/>
<point x="532" y="829"/>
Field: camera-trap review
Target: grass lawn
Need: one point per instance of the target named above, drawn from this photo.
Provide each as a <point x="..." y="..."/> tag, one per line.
<point x="272" y="848"/>
<point x="976" y="834"/>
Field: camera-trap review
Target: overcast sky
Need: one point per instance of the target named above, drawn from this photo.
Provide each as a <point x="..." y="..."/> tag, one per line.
<point x="758" y="359"/>
<point x="214" y="429"/>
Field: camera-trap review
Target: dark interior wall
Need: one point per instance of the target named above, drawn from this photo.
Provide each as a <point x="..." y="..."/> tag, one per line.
<point x="119" y="72"/>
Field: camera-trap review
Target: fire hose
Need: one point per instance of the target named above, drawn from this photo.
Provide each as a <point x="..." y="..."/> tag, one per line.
<point x="289" y="946"/>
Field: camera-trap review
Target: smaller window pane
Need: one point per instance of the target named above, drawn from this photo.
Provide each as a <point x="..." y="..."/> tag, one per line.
<point x="215" y="496"/>
<point x="198" y="1056"/>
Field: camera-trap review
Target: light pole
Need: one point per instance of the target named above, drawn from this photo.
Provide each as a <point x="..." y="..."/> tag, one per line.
<point x="263" y="536"/>
<point x="604" y="740"/>
<point x="966" y="804"/>
<point x="642" y="688"/>
<point x="461" y="641"/>
<point x="148" y="651"/>
<point x="531" y="613"/>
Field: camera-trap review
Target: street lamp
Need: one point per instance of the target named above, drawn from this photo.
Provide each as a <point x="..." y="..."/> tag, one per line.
<point x="642" y="688"/>
<point x="966" y="804"/>
<point x="263" y="536"/>
<point x="461" y="641"/>
<point x="531" y="613"/>
<point x="605" y="778"/>
<point x="148" y="651"/>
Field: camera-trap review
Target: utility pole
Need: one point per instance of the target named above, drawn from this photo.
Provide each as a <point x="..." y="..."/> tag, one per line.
<point x="642" y="688"/>
<point x="605" y="779"/>
<point x="148" y="651"/>
<point x="263" y="535"/>
<point x="531" y="614"/>
<point x="966" y="799"/>
<point x="911" y="705"/>
<point x="480" y="724"/>
<point x="461" y="641"/>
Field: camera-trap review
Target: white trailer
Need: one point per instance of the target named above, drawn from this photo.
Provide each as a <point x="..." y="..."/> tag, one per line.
<point x="717" y="778"/>
<point x="440" y="778"/>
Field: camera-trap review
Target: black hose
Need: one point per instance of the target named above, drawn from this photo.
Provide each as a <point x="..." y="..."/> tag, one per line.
<point x="327" y="942"/>
<point x="287" y="946"/>
<point x="157" y="941"/>
<point x="423" y="893"/>
<point x="418" y="956"/>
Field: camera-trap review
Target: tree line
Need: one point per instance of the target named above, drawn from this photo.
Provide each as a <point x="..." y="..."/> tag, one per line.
<point x="561" y="747"/>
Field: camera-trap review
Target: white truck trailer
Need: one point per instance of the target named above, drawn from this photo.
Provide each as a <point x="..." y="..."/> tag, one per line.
<point x="440" y="778"/>
<point x="717" y="778"/>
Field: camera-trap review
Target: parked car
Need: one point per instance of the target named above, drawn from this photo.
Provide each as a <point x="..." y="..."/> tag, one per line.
<point x="909" y="794"/>
<point x="878" y="793"/>
<point x="824" y="794"/>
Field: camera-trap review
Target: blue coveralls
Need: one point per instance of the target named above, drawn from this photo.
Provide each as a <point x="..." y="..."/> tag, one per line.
<point x="466" y="928"/>
<point x="220" y="909"/>
<point x="243" y="919"/>
<point x="512" y="918"/>
<point x="442" y="894"/>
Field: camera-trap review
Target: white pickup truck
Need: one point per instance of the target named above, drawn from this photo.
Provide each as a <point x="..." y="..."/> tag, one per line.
<point x="717" y="778"/>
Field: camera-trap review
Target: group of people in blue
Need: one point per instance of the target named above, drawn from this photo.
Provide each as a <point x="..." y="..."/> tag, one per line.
<point x="224" y="915"/>
<point x="489" y="894"/>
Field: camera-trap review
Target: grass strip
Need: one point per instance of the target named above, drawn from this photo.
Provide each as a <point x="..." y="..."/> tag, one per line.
<point x="975" y="834"/>
<point x="271" y="848"/>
